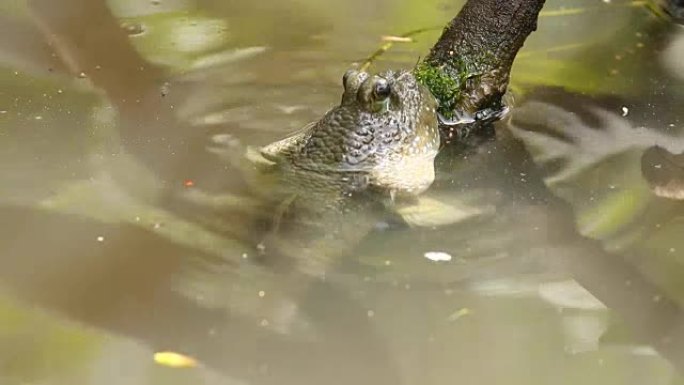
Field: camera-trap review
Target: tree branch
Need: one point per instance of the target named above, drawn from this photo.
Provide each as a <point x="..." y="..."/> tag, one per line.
<point x="468" y="68"/>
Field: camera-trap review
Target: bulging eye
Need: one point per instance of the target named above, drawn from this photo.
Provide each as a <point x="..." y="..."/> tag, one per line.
<point x="350" y="74"/>
<point x="381" y="89"/>
<point x="373" y="95"/>
<point x="347" y="75"/>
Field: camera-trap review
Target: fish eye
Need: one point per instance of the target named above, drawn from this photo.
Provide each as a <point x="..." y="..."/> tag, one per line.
<point x="374" y="93"/>
<point x="381" y="89"/>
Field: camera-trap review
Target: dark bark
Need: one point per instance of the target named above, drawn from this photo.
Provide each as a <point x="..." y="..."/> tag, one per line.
<point x="468" y="68"/>
<point x="674" y="8"/>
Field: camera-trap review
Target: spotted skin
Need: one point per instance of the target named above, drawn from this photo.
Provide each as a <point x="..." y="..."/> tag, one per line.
<point x="382" y="136"/>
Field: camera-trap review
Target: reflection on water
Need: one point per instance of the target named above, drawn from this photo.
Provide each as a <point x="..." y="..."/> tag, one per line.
<point x="133" y="223"/>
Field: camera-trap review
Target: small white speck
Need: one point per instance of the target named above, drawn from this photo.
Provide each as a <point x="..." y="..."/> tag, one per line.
<point x="59" y="91"/>
<point x="137" y="219"/>
<point x="672" y="250"/>
<point x="658" y="165"/>
<point x="244" y="256"/>
<point x="3" y="111"/>
<point x="262" y="294"/>
<point x="437" y="256"/>
<point x="38" y="117"/>
<point x="370" y="313"/>
<point x="100" y="238"/>
<point x="388" y="262"/>
<point x="157" y="225"/>
<point x="264" y="322"/>
<point x="625" y="111"/>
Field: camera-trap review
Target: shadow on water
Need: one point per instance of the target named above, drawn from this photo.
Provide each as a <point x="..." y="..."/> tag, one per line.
<point x="124" y="284"/>
<point x="160" y="254"/>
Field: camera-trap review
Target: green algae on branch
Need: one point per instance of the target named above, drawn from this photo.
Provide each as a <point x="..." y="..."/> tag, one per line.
<point x="445" y="88"/>
<point x="468" y="68"/>
<point x="447" y="84"/>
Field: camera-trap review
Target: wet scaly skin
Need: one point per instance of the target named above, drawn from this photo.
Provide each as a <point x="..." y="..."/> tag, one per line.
<point x="336" y="174"/>
<point x="383" y="136"/>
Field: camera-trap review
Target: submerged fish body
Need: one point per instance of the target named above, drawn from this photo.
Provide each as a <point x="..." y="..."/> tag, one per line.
<point x="382" y="137"/>
<point x="335" y="176"/>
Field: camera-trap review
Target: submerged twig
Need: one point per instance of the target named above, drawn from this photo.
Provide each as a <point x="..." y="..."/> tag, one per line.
<point x="389" y="43"/>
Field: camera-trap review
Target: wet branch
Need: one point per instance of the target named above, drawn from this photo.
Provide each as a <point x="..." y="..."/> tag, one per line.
<point x="469" y="67"/>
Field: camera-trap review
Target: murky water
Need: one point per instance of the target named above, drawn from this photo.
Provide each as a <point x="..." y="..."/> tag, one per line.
<point x="129" y="227"/>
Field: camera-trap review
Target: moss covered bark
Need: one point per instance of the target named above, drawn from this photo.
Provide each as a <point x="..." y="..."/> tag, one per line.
<point x="468" y="68"/>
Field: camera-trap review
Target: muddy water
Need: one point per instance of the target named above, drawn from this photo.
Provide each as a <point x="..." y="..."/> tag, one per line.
<point x="130" y="228"/>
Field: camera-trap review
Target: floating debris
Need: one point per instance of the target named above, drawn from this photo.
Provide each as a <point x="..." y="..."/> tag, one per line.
<point x="133" y="29"/>
<point x="290" y="109"/>
<point x="174" y="360"/>
<point x="569" y="294"/>
<point x="226" y="57"/>
<point x="625" y="111"/>
<point x="261" y="248"/>
<point x="462" y="312"/>
<point x="397" y="39"/>
<point x="165" y="89"/>
<point x="437" y="256"/>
